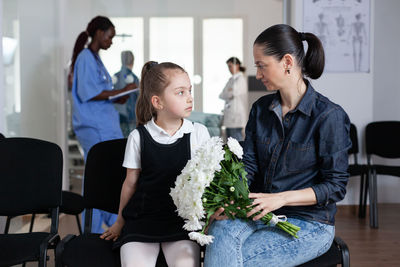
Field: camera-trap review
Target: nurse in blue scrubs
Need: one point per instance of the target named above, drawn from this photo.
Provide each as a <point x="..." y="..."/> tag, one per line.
<point x="94" y="116"/>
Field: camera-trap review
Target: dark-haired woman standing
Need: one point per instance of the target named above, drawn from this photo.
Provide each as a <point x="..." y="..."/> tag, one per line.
<point x="236" y="100"/>
<point x="295" y="152"/>
<point x="94" y="116"/>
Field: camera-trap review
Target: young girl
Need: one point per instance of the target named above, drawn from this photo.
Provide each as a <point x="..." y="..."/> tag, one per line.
<point x="156" y="152"/>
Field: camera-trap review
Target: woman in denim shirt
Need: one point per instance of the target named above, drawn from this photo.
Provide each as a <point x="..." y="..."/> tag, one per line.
<point x="295" y="153"/>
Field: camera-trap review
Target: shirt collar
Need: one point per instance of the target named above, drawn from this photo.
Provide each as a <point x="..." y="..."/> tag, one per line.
<point x="305" y="105"/>
<point x="234" y="76"/>
<point x="187" y="127"/>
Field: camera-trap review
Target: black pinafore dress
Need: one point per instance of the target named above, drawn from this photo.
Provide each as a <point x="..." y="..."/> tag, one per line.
<point x="150" y="215"/>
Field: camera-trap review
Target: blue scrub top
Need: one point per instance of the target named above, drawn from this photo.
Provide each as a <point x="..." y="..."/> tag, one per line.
<point x="93" y="121"/>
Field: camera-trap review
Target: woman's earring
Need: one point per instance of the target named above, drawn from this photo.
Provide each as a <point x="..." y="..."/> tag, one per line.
<point x="288" y="71"/>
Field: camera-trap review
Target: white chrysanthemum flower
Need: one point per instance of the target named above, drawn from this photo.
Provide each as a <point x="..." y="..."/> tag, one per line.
<point x="193" y="225"/>
<point x="200" y="238"/>
<point x="235" y="147"/>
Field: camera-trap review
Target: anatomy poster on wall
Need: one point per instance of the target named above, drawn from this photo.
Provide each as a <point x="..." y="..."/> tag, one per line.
<point x="343" y="26"/>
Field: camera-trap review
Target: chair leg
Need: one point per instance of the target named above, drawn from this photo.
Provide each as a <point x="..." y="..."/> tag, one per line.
<point x="366" y="190"/>
<point x="7" y="228"/>
<point x="373" y="199"/>
<point x="79" y="224"/>
<point x="32" y="222"/>
<point x="361" y="209"/>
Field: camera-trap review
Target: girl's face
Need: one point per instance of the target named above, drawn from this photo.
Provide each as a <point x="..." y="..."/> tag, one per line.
<point x="270" y="71"/>
<point x="105" y="38"/>
<point x="177" y="100"/>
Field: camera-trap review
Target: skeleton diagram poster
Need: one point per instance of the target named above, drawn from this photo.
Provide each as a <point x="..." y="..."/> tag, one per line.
<point x="343" y="26"/>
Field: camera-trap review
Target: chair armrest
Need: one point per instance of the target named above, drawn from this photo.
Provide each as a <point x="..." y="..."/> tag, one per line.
<point x="60" y="249"/>
<point x="50" y="241"/>
<point x="344" y="250"/>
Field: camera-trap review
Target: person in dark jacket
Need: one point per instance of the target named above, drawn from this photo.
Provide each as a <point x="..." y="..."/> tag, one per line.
<point x="295" y="153"/>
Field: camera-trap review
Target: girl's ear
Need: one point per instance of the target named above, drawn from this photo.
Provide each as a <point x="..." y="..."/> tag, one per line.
<point x="156" y="102"/>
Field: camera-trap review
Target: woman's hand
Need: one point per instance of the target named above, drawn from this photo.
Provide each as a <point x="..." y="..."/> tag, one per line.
<point x="113" y="232"/>
<point x="216" y="216"/>
<point x="130" y="86"/>
<point x="265" y="203"/>
<point x="122" y="99"/>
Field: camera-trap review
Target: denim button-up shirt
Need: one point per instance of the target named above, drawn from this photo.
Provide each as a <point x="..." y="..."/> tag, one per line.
<point x="306" y="148"/>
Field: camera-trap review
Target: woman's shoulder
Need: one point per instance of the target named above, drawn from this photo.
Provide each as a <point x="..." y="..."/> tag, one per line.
<point x="326" y="107"/>
<point x="84" y="55"/>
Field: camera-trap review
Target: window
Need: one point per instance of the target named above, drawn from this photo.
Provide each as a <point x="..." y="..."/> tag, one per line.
<point x="222" y="39"/>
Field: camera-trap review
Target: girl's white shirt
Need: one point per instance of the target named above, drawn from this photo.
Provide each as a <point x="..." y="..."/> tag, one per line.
<point x="199" y="134"/>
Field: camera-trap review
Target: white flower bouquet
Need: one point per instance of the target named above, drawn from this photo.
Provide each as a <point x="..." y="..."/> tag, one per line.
<point x="214" y="178"/>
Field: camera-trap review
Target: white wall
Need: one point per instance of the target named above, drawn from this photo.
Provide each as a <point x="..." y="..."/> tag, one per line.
<point x="367" y="97"/>
<point x="2" y="219"/>
<point x="2" y="93"/>
<point x="386" y="94"/>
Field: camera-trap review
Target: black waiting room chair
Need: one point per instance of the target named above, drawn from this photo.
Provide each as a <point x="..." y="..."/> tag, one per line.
<point x="382" y="140"/>
<point x="71" y="203"/>
<point x="103" y="179"/>
<point x="356" y="169"/>
<point x="29" y="184"/>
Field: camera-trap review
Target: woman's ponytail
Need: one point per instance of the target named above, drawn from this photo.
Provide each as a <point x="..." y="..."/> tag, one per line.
<point x="314" y="61"/>
<point x="282" y="39"/>
<point x="97" y="23"/>
<point x="78" y="47"/>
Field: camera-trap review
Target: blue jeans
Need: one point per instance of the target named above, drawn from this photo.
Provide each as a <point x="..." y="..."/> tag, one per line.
<point x="235" y="133"/>
<point x="249" y="243"/>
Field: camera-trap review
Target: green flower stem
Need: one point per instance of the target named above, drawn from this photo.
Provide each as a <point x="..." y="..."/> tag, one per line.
<point x="285" y="226"/>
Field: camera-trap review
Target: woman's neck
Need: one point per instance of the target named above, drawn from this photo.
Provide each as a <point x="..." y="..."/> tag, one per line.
<point x="94" y="46"/>
<point x="292" y="95"/>
<point x="171" y="126"/>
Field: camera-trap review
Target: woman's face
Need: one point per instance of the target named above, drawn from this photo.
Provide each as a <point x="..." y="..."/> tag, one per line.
<point x="270" y="71"/>
<point x="105" y="38"/>
<point x="233" y="68"/>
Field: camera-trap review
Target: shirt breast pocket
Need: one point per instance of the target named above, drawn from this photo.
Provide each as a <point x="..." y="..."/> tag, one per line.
<point x="299" y="157"/>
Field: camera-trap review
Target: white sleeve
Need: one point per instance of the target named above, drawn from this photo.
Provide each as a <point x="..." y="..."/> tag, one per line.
<point x="200" y="135"/>
<point x="239" y="86"/>
<point x="226" y="94"/>
<point x="132" y="151"/>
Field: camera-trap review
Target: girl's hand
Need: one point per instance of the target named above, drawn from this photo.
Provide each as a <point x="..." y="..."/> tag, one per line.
<point x="113" y="232"/>
<point x="216" y="216"/>
<point x="265" y="203"/>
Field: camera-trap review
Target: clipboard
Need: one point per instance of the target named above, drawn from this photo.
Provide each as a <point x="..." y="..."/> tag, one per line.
<point x="122" y="94"/>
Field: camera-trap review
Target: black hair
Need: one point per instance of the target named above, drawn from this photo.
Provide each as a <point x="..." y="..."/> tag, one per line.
<point x="235" y="60"/>
<point x="281" y="39"/>
<point x="97" y="23"/>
